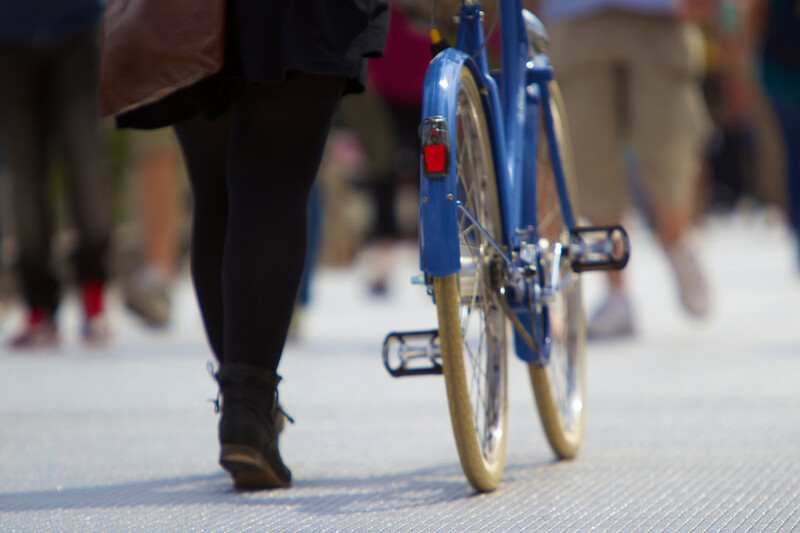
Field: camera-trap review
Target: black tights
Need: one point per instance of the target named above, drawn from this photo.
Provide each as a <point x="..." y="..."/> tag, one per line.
<point x="251" y="172"/>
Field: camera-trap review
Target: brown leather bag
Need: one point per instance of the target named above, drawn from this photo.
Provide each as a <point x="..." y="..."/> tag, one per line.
<point x="152" y="48"/>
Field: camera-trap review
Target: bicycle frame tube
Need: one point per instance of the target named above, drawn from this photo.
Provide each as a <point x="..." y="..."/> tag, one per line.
<point x="555" y="156"/>
<point x="505" y="106"/>
<point x="520" y="73"/>
<point x="514" y="43"/>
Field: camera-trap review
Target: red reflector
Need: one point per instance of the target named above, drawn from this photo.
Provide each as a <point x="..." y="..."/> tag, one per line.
<point x="435" y="158"/>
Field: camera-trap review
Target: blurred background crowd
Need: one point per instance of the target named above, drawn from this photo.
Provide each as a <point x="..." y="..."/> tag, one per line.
<point x="87" y="208"/>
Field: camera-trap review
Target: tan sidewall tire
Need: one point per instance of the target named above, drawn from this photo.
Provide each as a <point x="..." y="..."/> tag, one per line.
<point x="565" y="443"/>
<point x="482" y="476"/>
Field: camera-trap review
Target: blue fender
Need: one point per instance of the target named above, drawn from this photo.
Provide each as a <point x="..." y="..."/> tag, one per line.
<point x="438" y="221"/>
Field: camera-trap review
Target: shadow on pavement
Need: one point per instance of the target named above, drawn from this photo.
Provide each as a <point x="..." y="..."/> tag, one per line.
<point x="326" y="496"/>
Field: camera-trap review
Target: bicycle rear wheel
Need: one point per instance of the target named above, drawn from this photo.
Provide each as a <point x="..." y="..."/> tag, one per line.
<point x="560" y="386"/>
<point x="472" y="326"/>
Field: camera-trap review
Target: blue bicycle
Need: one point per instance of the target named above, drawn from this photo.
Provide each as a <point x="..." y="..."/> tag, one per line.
<point x="500" y="250"/>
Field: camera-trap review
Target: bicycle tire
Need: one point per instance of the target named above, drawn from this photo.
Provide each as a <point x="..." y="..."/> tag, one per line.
<point x="472" y="326"/>
<point x="560" y="386"/>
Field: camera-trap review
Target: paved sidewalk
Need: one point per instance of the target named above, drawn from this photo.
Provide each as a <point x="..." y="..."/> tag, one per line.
<point x="692" y="426"/>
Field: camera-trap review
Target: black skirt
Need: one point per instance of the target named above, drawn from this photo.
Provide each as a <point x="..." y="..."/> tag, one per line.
<point x="268" y="40"/>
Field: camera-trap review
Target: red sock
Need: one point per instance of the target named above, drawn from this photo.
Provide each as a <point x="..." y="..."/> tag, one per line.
<point x="92" y="298"/>
<point x="36" y="316"/>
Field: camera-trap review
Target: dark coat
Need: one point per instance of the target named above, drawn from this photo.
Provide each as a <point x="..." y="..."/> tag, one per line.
<point x="268" y="40"/>
<point x="45" y="22"/>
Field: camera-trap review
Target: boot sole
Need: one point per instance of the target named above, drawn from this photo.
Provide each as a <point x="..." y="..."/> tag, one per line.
<point x="249" y="469"/>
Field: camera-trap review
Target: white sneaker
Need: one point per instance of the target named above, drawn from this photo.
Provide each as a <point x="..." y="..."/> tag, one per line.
<point x="96" y="331"/>
<point x="147" y="294"/>
<point x="691" y="280"/>
<point x="613" y="319"/>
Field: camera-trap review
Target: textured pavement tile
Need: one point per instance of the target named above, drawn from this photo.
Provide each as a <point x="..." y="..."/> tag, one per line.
<point x="692" y="426"/>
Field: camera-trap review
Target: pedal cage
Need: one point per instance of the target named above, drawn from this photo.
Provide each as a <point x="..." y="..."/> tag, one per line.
<point x="409" y="359"/>
<point x="598" y="248"/>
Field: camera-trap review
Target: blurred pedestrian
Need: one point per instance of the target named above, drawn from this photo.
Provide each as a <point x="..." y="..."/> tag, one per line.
<point x="49" y="107"/>
<point x="629" y="79"/>
<point x="776" y="32"/>
<point x="397" y="78"/>
<point x="252" y="137"/>
<point x="3" y="302"/>
<point x="157" y="172"/>
<point x="730" y="94"/>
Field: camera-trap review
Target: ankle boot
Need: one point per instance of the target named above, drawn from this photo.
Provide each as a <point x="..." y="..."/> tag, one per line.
<point x="249" y="426"/>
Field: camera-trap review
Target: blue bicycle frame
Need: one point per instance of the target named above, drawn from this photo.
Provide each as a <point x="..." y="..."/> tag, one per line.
<point x="512" y="101"/>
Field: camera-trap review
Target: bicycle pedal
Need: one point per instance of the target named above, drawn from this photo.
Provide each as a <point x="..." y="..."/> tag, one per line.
<point x="599" y="248"/>
<point x="412" y="353"/>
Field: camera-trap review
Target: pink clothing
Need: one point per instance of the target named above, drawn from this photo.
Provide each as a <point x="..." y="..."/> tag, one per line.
<point x="398" y="76"/>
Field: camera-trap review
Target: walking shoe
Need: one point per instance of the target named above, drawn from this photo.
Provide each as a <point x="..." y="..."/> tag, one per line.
<point x="96" y="331"/>
<point x="39" y="332"/>
<point x="249" y="427"/>
<point x="381" y="258"/>
<point x="147" y="294"/>
<point x="692" y="283"/>
<point x="613" y="319"/>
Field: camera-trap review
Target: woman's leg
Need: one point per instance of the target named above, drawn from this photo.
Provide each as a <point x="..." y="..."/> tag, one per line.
<point x="278" y="133"/>
<point x="75" y="120"/>
<point x="789" y="116"/>
<point x="205" y="147"/>
<point x="23" y="106"/>
<point x="251" y="173"/>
